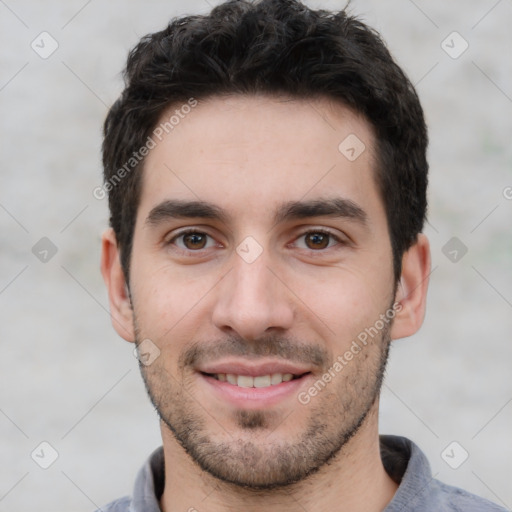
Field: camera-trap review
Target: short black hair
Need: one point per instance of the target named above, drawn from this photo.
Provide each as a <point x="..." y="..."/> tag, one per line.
<point x="274" y="47"/>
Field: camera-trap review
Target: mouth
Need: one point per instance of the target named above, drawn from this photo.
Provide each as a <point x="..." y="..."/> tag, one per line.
<point x="259" y="381"/>
<point x="254" y="385"/>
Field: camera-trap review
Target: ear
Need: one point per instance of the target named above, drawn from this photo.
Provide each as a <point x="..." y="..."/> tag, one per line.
<point x="411" y="295"/>
<point x="121" y="311"/>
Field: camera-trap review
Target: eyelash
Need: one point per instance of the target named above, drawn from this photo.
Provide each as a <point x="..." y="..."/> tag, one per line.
<point x="185" y="233"/>
<point x="323" y="231"/>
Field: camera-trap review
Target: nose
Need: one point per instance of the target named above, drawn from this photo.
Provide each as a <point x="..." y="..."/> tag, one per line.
<point x="252" y="300"/>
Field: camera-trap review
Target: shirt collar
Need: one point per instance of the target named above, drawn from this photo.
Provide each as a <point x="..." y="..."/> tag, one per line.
<point x="408" y="466"/>
<point x="149" y="484"/>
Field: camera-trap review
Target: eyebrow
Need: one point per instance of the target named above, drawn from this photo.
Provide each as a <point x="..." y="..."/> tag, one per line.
<point x="292" y="210"/>
<point x="335" y="207"/>
<point x="177" y="209"/>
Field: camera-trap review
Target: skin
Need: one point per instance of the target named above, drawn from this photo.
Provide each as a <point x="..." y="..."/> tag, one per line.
<point x="301" y="301"/>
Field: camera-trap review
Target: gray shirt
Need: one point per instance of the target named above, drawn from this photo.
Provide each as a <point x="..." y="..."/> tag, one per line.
<point x="405" y="463"/>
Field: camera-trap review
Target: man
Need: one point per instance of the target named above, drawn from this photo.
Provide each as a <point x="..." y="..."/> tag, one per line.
<point x="267" y="178"/>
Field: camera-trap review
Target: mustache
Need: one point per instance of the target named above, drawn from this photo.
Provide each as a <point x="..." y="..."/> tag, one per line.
<point x="271" y="345"/>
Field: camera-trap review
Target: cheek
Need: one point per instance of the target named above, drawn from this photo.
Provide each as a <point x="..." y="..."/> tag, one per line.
<point x="167" y="301"/>
<point x="344" y="301"/>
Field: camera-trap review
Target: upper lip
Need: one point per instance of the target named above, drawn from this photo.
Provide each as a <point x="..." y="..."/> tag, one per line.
<point x="254" y="368"/>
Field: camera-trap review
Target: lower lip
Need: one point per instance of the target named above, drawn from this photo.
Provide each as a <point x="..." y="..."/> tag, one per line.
<point x="255" y="398"/>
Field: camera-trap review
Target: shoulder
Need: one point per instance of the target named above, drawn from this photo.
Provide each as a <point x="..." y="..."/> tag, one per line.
<point x="459" y="500"/>
<point x="148" y="488"/>
<point x="119" y="505"/>
<point x="418" y="490"/>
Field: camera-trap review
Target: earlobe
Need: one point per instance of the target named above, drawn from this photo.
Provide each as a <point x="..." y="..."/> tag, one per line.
<point x="412" y="289"/>
<point x="119" y="298"/>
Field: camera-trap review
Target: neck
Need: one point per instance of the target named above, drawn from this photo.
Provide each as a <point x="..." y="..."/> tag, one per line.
<point x="355" y="481"/>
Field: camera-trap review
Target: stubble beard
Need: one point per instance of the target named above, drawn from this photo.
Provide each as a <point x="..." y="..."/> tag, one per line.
<point x="250" y="459"/>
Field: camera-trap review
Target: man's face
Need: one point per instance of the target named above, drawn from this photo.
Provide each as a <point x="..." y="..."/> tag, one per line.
<point x="261" y="252"/>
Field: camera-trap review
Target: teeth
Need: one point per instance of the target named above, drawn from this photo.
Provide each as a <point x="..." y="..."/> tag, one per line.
<point x="246" y="381"/>
<point x="262" y="382"/>
<point x="276" y="378"/>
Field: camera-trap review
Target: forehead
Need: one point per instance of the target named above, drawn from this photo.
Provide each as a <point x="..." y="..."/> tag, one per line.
<point x="252" y="153"/>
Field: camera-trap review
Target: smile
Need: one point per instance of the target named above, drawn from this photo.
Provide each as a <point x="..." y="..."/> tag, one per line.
<point x="248" y="381"/>
<point x="253" y="384"/>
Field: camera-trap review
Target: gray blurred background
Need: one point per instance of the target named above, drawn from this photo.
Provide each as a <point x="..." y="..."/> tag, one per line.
<point x="69" y="381"/>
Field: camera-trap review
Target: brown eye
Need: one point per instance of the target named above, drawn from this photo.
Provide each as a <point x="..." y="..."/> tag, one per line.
<point x="317" y="240"/>
<point x="194" y="241"/>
